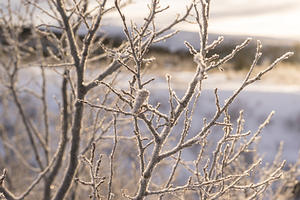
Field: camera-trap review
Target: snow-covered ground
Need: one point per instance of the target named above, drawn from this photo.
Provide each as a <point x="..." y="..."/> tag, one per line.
<point x="257" y="101"/>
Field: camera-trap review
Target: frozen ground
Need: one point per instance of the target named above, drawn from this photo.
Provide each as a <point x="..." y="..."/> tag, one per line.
<point x="257" y="101"/>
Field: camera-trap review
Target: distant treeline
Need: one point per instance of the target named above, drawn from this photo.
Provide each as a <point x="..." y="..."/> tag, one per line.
<point x="243" y="60"/>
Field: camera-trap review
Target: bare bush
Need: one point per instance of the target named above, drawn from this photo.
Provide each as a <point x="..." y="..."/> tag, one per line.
<point x="99" y="137"/>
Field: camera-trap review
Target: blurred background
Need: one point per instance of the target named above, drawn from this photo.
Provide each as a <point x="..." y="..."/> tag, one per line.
<point x="276" y="23"/>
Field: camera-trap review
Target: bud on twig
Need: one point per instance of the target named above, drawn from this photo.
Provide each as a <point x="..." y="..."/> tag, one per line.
<point x="141" y="97"/>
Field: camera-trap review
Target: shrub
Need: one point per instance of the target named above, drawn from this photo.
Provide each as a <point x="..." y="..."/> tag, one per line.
<point x="99" y="137"/>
